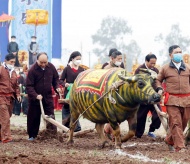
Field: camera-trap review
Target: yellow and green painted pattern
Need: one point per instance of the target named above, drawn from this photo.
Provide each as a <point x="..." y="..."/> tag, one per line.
<point x="90" y="85"/>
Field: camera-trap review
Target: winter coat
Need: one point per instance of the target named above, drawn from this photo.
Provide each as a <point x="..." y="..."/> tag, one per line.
<point x="177" y="83"/>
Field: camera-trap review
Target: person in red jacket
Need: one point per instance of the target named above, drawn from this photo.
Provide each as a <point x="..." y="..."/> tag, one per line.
<point x="176" y="75"/>
<point x="9" y="90"/>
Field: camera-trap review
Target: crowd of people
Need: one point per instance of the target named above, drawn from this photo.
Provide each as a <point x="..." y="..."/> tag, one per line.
<point x="23" y="88"/>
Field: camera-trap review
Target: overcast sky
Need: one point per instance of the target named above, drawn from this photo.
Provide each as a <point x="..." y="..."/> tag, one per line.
<point x="147" y="18"/>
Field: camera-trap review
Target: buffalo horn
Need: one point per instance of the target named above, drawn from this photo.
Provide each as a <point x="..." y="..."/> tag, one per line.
<point x="128" y="79"/>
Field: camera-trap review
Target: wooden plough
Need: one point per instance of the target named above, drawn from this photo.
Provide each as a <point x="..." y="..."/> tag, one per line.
<point x="59" y="125"/>
<point x="163" y="118"/>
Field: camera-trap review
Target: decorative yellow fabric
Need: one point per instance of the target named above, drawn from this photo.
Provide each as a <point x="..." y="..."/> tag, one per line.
<point x="36" y="17"/>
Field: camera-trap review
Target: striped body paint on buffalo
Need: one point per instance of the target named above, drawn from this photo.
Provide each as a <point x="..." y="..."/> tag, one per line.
<point x="91" y="85"/>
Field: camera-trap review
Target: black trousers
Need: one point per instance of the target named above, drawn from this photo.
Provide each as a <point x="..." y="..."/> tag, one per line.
<point x="66" y="118"/>
<point x="25" y="105"/>
<point x="16" y="108"/>
<point x="17" y="64"/>
<point x="34" y="116"/>
<point x="141" y="119"/>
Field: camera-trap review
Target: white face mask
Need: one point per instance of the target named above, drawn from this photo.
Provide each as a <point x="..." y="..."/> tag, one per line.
<point x="59" y="73"/>
<point x="33" y="40"/>
<point x="117" y="63"/>
<point x="9" y="66"/>
<point x="77" y="62"/>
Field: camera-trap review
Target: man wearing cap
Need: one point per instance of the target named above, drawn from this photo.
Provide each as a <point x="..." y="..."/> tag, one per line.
<point x="13" y="48"/>
<point x="33" y="49"/>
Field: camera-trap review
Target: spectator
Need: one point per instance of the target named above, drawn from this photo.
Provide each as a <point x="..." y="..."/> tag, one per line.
<point x="13" y="48"/>
<point x="33" y="49"/>
<point x="17" y="105"/>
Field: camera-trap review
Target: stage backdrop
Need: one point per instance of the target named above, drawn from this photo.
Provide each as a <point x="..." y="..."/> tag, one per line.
<point x="56" y="29"/>
<point x="23" y="31"/>
<point x="3" y="31"/>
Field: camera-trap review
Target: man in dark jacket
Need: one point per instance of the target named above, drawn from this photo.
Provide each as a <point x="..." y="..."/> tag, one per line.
<point x="33" y="49"/>
<point x="150" y="61"/>
<point x="13" y="48"/>
<point x="41" y="77"/>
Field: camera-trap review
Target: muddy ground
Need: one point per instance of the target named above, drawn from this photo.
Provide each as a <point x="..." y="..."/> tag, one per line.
<point x="50" y="149"/>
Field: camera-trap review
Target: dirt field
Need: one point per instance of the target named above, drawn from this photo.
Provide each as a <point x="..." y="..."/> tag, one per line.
<point x="47" y="149"/>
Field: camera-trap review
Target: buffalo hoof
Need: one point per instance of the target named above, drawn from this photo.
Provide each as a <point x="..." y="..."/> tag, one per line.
<point x="70" y="142"/>
<point x="104" y="144"/>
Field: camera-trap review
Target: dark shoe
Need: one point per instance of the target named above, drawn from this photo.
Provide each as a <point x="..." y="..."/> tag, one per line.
<point x="77" y="130"/>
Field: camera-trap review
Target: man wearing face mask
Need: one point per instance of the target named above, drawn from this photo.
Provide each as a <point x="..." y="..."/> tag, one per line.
<point x="110" y="53"/>
<point x="9" y="90"/>
<point x="116" y="60"/>
<point x="33" y="49"/>
<point x="59" y="71"/>
<point x="40" y="79"/>
<point x="68" y="77"/>
<point x="150" y="62"/>
<point x="177" y="79"/>
<point x="13" y="48"/>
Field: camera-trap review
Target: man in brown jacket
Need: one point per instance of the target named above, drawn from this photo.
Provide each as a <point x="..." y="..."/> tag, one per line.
<point x="110" y="53"/>
<point x="177" y="78"/>
<point x="116" y="60"/>
<point x="9" y="90"/>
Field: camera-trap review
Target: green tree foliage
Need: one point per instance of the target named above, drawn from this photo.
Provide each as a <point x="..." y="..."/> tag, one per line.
<point x="115" y="33"/>
<point x="175" y="37"/>
<point x="133" y="52"/>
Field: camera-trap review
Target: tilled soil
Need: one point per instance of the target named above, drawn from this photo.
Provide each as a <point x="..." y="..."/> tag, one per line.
<point x="52" y="149"/>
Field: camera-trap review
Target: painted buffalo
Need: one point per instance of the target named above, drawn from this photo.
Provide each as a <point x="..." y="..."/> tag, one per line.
<point x="109" y="96"/>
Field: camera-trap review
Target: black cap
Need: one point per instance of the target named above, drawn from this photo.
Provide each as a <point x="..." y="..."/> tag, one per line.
<point x="13" y="36"/>
<point x="33" y="37"/>
<point x="111" y="51"/>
